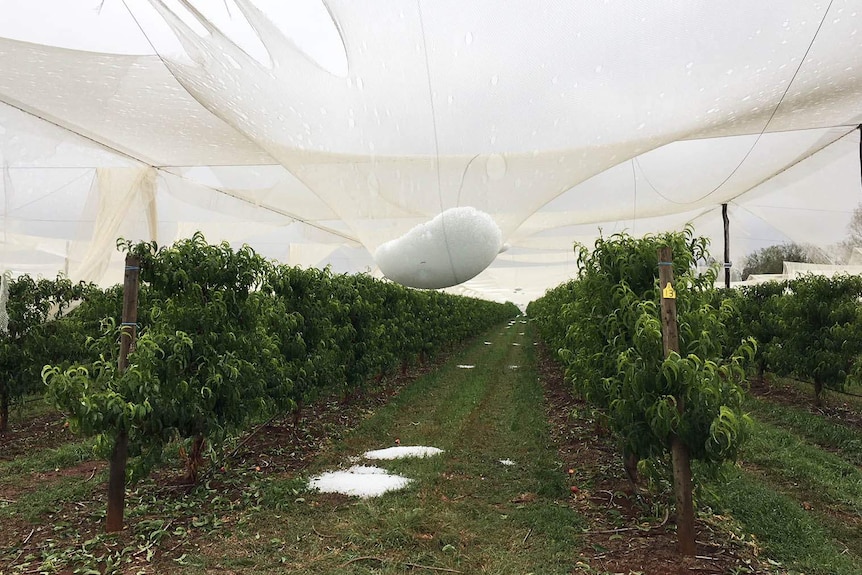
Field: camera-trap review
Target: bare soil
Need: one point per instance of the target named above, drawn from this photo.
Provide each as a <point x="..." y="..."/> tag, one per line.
<point x="44" y="431"/>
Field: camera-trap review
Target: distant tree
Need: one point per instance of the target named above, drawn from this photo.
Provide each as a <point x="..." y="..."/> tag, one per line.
<point x="845" y="248"/>
<point x="770" y="260"/>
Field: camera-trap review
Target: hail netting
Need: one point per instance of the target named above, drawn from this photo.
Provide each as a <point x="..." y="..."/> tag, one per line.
<point x="546" y="121"/>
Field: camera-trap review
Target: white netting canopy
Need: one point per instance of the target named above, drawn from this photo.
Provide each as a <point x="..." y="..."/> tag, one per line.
<point x="435" y="143"/>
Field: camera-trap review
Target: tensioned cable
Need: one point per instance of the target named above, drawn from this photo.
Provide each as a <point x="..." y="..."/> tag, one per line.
<point x="99" y="143"/>
<point x="164" y="168"/>
<point x="771" y="225"/>
<point x="771" y="116"/>
<point x="758" y="183"/>
<point x="463" y="176"/>
<point x="272" y="209"/>
<point x="87" y="172"/>
<point x="436" y="140"/>
<point x="796" y="209"/>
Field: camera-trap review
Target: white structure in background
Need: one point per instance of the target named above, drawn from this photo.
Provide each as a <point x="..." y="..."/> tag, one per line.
<point x="793" y="270"/>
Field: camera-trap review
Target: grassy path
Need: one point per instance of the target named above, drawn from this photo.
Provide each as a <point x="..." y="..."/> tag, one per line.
<point x="799" y="490"/>
<point x="464" y="511"/>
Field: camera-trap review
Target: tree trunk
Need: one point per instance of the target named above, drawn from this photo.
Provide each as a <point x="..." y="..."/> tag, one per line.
<point x="761" y="371"/>
<point x="818" y="393"/>
<point x="4" y="408"/>
<point x="297" y="415"/>
<point x="195" y="459"/>
<point x="117" y="483"/>
<point x="128" y="335"/>
<point x="630" y="463"/>
<point x="679" y="451"/>
<point x="682" y="488"/>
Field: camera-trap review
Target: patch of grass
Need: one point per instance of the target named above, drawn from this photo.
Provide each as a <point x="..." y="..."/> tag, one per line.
<point x="464" y="510"/>
<point x="40" y="461"/>
<point x="803" y="504"/>
<point x="825" y="477"/>
<point x="27" y="408"/>
<point x="814" y="428"/>
<point x="34" y="505"/>
<point x="788" y="533"/>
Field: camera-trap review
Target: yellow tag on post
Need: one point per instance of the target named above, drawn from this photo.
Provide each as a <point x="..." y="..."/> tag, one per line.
<point x="668" y="292"/>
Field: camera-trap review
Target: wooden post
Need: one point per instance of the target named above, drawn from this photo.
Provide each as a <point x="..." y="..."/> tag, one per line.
<point x="682" y="484"/>
<point x="119" y="456"/>
<point x="726" y="221"/>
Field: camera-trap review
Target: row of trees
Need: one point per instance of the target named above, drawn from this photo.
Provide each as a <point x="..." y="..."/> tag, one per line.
<point x="31" y="335"/>
<point x="607" y="326"/>
<point x="807" y="328"/>
<point x="225" y="337"/>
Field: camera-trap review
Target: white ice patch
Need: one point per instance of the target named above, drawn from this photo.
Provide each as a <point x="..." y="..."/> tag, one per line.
<point x="462" y="366"/>
<point x="360" y="481"/>
<point x="507" y="462"/>
<point x="401" y="452"/>
<point x="453" y="247"/>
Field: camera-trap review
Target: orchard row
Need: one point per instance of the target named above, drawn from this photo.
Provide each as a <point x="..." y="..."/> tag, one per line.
<point x="225" y="337"/>
<point x="663" y="403"/>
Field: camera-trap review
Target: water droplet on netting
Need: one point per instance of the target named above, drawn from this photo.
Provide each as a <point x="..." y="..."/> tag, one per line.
<point x="495" y="167"/>
<point x="360" y="84"/>
<point x="468" y="38"/>
<point x="450" y="99"/>
<point x="351" y="122"/>
<point x="494" y="80"/>
<point x="599" y="69"/>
